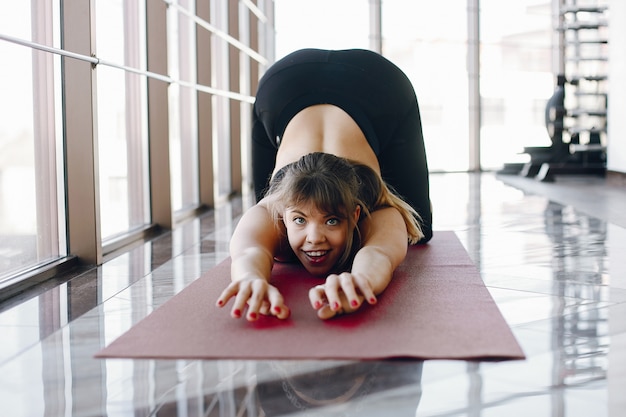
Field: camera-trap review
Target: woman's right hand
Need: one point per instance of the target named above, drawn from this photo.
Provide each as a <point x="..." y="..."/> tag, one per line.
<point x="259" y="296"/>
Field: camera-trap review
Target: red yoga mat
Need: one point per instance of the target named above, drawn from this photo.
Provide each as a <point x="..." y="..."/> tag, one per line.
<point x="436" y="307"/>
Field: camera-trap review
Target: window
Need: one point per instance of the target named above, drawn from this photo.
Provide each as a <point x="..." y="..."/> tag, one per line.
<point x="122" y="117"/>
<point x="516" y="72"/>
<point x="32" y="226"/>
<point x="428" y="40"/>
<point x="183" y="116"/>
<point x="432" y="44"/>
<point x="122" y="128"/>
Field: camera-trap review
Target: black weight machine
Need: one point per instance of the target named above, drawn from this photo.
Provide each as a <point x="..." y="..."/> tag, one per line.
<point x="561" y="157"/>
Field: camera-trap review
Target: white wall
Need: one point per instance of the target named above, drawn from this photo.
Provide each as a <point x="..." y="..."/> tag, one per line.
<point x="616" y="122"/>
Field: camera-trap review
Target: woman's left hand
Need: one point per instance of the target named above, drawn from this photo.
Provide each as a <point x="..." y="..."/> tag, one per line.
<point x="343" y="293"/>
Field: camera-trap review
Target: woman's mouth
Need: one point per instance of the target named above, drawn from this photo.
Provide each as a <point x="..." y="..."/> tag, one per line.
<point x="316" y="256"/>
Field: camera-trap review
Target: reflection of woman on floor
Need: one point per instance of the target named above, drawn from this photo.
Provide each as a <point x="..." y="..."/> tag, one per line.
<point x="333" y="132"/>
<point x="346" y="389"/>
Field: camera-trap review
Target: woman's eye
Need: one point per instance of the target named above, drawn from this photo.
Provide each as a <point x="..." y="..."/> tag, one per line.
<point x="298" y="220"/>
<point x="332" y="222"/>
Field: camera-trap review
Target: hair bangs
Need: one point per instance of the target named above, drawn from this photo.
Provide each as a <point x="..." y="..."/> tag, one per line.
<point x="322" y="192"/>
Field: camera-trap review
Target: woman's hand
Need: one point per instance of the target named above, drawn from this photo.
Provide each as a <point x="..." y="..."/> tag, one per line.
<point x="384" y="248"/>
<point x="343" y="293"/>
<point x="258" y="295"/>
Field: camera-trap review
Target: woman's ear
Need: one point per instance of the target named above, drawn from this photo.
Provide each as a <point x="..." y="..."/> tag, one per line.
<point x="357" y="213"/>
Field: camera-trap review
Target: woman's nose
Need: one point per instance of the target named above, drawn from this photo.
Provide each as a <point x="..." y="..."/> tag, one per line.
<point x="314" y="234"/>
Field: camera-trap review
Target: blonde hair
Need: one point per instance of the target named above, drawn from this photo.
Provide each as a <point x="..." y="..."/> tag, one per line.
<point x="337" y="185"/>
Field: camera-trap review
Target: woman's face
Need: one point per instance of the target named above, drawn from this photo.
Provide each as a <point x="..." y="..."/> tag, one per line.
<point x="318" y="239"/>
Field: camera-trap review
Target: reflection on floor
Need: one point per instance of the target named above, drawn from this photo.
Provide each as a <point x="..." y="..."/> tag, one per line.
<point x="553" y="258"/>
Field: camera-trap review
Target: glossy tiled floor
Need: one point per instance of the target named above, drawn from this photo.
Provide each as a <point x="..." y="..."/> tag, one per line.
<point x="556" y="267"/>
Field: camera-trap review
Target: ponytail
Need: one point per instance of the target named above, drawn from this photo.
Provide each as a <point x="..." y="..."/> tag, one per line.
<point x="411" y="218"/>
<point x="376" y="194"/>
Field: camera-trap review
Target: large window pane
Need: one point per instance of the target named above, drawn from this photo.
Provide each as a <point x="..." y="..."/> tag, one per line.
<point x="122" y="117"/>
<point x="327" y="24"/>
<point x="428" y="40"/>
<point x="183" y="107"/>
<point x="516" y="78"/>
<point x="32" y="230"/>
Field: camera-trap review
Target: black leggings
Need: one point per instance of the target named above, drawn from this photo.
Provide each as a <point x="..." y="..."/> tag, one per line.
<point x="372" y="90"/>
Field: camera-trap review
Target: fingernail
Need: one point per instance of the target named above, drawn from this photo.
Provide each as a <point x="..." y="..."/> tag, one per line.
<point x="354" y="303"/>
<point x="237" y="313"/>
<point x="253" y="316"/>
<point x="372" y="300"/>
<point x="277" y="309"/>
<point x="220" y="302"/>
<point x="318" y="304"/>
<point x="335" y="305"/>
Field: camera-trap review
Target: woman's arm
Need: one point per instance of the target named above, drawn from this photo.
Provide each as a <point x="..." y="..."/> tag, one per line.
<point x="252" y="245"/>
<point x="383" y="249"/>
<point x="252" y="249"/>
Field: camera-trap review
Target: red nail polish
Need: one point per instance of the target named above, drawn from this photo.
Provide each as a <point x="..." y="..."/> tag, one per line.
<point x="372" y="300"/>
<point x="277" y="309"/>
<point x="237" y="313"/>
<point x="354" y="303"/>
<point x="220" y="302"/>
<point x="253" y="316"/>
<point x="335" y="306"/>
<point x="318" y="305"/>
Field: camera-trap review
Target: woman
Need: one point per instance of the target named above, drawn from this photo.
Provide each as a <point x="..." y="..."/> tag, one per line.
<point x="361" y="108"/>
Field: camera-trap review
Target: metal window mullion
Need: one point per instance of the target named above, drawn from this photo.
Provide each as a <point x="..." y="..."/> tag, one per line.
<point x="158" y="119"/>
<point x="235" y="109"/>
<point x="46" y="175"/>
<point x="473" y="74"/>
<point x="81" y="146"/>
<point x="376" y="37"/>
<point x="205" y="109"/>
<point x="220" y="106"/>
<point x="245" y="109"/>
<point x="558" y="38"/>
<point x="187" y="106"/>
<point x="256" y="23"/>
<point x="267" y="45"/>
